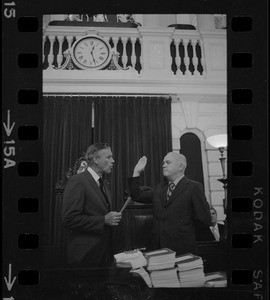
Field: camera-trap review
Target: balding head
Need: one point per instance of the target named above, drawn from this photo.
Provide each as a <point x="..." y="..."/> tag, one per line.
<point x="174" y="165"/>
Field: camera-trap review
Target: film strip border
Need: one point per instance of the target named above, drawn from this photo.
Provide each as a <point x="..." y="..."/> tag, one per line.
<point x="248" y="184"/>
<point x="22" y="155"/>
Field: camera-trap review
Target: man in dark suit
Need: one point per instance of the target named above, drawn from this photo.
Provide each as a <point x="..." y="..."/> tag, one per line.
<point x="176" y="204"/>
<point x="80" y="166"/>
<point x="87" y="211"/>
<point x="215" y="232"/>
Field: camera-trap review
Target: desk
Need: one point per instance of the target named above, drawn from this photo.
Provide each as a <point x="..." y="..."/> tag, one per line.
<point x="114" y="283"/>
<point x="215" y="256"/>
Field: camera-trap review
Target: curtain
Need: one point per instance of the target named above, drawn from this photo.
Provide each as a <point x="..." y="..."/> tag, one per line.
<point x="133" y="126"/>
<point x="67" y="133"/>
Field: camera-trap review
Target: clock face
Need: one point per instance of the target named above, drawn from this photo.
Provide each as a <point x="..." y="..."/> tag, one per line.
<point x="91" y="53"/>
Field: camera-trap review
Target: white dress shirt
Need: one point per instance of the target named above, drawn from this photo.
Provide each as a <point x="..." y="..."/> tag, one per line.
<point x="215" y="232"/>
<point x="94" y="174"/>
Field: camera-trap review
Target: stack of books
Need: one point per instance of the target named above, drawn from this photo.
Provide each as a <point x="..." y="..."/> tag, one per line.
<point x="215" y="279"/>
<point x="134" y="259"/>
<point x="161" y="267"/>
<point x="160" y="259"/>
<point x="165" y="278"/>
<point x="191" y="271"/>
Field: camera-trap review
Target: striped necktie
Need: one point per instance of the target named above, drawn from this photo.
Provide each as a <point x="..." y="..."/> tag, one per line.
<point x="170" y="190"/>
<point x="101" y="186"/>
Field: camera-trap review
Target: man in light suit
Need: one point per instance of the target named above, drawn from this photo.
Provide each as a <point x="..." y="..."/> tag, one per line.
<point x="87" y="211"/>
<point x="176" y="204"/>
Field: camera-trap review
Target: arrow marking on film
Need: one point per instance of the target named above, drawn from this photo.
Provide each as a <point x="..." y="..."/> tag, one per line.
<point x="9" y="283"/>
<point x="8" y="129"/>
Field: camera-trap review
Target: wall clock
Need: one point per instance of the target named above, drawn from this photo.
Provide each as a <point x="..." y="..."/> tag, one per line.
<point x="91" y="53"/>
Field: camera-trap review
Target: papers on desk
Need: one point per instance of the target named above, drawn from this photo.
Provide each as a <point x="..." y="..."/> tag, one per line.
<point x="188" y="261"/>
<point x="135" y="259"/>
<point x="162" y="268"/>
<point x="165" y="278"/>
<point x="160" y="259"/>
<point x="215" y="279"/>
<point x="191" y="272"/>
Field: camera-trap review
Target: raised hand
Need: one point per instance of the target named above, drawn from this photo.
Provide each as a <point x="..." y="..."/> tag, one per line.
<point x="140" y="166"/>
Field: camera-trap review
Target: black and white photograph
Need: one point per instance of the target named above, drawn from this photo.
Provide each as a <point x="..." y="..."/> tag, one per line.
<point x="134" y="150"/>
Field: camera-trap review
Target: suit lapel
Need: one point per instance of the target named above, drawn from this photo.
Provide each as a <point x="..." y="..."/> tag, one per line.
<point x="180" y="187"/>
<point x="96" y="188"/>
<point x="163" y="194"/>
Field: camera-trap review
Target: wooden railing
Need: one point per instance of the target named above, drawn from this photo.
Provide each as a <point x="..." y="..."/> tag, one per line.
<point x="184" y="47"/>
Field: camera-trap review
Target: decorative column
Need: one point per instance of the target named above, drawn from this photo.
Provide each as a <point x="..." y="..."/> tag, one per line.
<point x="213" y="45"/>
<point x="155" y="54"/>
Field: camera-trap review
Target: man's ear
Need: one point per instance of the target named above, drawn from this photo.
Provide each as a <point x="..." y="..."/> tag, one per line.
<point x="96" y="159"/>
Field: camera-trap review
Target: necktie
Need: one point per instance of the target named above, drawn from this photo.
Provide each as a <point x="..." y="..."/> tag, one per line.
<point x="170" y="190"/>
<point x="215" y="233"/>
<point x="101" y="186"/>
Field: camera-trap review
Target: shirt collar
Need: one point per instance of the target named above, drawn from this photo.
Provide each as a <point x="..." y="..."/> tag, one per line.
<point x="178" y="179"/>
<point x="93" y="173"/>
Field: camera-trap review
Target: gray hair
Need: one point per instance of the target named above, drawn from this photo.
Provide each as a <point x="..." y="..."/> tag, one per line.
<point x="92" y="150"/>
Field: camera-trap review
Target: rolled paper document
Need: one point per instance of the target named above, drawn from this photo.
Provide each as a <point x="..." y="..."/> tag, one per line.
<point x="126" y="204"/>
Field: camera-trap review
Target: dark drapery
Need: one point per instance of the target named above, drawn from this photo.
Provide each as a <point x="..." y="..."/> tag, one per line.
<point x="133" y="126"/>
<point x="67" y="132"/>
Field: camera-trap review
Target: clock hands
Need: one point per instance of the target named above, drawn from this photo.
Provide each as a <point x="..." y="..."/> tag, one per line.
<point x="92" y="53"/>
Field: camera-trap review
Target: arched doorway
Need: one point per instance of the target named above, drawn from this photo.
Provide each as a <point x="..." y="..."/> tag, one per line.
<point x="191" y="148"/>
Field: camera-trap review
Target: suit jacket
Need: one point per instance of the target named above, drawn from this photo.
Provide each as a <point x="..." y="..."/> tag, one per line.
<point x="84" y="208"/>
<point x="173" y="221"/>
<point x="204" y="233"/>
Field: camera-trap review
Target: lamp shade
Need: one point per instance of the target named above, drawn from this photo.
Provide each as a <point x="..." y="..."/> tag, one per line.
<point x="218" y="141"/>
